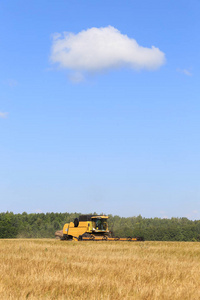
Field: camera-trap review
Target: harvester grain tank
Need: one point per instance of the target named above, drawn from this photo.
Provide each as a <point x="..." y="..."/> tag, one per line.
<point x="90" y="228"/>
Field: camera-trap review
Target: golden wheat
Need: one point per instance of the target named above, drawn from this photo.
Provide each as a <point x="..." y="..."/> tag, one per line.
<point x="51" y="269"/>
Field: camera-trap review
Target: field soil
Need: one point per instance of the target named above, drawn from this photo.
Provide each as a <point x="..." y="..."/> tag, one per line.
<point x="53" y="269"/>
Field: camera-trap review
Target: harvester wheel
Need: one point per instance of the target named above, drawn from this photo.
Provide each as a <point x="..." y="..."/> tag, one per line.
<point x="64" y="237"/>
<point x="86" y="235"/>
<point x="80" y="238"/>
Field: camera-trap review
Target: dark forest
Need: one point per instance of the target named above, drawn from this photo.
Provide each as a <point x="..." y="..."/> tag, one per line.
<point x="44" y="225"/>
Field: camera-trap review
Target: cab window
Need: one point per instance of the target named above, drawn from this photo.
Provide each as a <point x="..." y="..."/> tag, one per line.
<point x="100" y="224"/>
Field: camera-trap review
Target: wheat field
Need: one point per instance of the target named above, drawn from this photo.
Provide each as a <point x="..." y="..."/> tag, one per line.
<point x="53" y="269"/>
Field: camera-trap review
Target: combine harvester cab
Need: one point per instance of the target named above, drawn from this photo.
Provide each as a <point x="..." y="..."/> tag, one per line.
<point x="90" y="228"/>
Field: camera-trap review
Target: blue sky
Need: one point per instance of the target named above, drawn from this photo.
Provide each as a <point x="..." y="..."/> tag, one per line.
<point x="105" y="122"/>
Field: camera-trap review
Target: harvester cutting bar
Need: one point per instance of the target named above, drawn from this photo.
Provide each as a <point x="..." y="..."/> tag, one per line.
<point x="93" y="238"/>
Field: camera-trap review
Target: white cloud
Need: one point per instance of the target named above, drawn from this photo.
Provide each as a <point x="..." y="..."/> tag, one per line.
<point x="185" y="72"/>
<point x="193" y="214"/>
<point x="98" y="49"/>
<point x="164" y="216"/>
<point x="76" y="77"/>
<point x="3" y="115"/>
<point x="37" y="211"/>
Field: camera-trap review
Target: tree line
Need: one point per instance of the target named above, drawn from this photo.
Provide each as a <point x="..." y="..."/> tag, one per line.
<point x="44" y="225"/>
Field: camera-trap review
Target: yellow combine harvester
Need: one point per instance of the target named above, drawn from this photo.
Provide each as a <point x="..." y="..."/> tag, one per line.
<point x="90" y="228"/>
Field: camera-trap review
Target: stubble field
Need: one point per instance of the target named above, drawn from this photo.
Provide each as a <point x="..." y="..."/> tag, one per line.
<point x="51" y="269"/>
